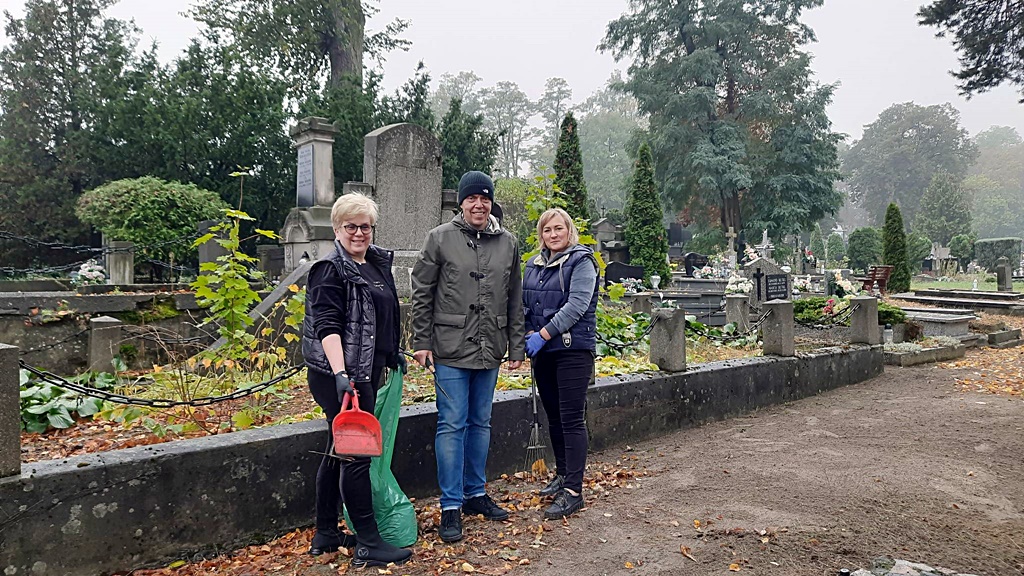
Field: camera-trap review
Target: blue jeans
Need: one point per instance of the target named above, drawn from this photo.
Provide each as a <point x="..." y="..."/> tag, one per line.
<point x="463" y="432"/>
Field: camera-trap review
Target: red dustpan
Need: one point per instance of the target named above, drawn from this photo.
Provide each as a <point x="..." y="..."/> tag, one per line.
<point x="356" y="433"/>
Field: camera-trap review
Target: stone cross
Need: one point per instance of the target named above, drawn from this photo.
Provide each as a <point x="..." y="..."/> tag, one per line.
<point x="731" y="235"/>
<point x="757" y="280"/>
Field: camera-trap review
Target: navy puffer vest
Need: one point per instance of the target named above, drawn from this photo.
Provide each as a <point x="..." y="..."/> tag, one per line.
<point x="546" y="290"/>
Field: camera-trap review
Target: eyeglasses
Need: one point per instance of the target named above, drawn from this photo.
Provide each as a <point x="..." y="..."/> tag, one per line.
<point x="351" y="228"/>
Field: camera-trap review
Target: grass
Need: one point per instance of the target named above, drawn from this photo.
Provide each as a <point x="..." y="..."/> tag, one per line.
<point x="1018" y="286"/>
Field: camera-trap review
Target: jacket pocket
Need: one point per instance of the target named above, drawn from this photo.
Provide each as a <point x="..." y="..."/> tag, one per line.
<point x="449" y="330"/>
<point x="502" y="321"/>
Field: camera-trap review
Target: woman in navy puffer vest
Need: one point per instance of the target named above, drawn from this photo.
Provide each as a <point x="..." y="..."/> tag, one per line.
<point x="560" y="301"/>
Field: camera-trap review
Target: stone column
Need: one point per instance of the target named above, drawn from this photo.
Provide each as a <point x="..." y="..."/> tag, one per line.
<point x="864" y="323"/>
<point x="314" y="142"/>
<point x="210" y="250"/>
<point x="104" y="342"/>
<point x="668" y="339"/>
<point x="737" y="311"/>
<point x="121" y="263"/>
<point x="1004" y="275"/>
<point x="778" y="328"/>
<point x="641" y="303"/>
<point x="10" y="412"/>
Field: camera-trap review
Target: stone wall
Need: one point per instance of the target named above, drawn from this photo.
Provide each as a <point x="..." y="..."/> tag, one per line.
<point x="107" y="512"/>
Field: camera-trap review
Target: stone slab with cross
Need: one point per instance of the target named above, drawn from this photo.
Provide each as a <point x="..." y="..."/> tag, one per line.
<point x="770" y="281"/>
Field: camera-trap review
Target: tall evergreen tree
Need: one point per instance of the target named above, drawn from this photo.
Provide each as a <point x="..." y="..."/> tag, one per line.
<point x="894" y="249"/>
<point x="945" y="210"/>
<point x="569" y="170"/>
<point x="648" y="246"/>
<point x="817" y="244"/>
<point x="737" y="122"/>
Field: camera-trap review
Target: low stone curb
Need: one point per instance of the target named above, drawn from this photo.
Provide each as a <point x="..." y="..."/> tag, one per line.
<point x="926" y="356"/>
<point x="889" y="567"/>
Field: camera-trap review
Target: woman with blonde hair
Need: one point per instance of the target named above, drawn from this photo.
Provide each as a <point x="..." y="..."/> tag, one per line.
<point x="349" y="335"/>
<point x="560" y="300"/>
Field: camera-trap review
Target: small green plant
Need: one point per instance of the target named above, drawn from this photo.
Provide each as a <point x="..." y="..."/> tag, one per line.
<point x="45" y="406"/>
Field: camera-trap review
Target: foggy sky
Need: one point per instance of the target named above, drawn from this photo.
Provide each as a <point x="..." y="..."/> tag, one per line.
<point x="874" y="48"/>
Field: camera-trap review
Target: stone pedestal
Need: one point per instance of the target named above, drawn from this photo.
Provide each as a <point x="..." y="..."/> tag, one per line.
<point x="10" y="412"/>
<point x="864" y="322"/>
<point x="737" y="311"/>
<point x="104" y="342"/>
<point x="1004" y="275"/>
<point x="668" y="339"/>
<point x="641" y="303"/>
<point x="121" y="263"/>
<point x="778" y="329"/>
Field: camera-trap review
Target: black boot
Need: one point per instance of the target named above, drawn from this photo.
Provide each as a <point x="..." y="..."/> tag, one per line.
<point x="372" y="550"/>
<point x="565" y="504"/>
<point x="483" y="505"/>
<point x="328" y="540"/>
<point x="553" y="487"/>
<point x="450" y="529"/>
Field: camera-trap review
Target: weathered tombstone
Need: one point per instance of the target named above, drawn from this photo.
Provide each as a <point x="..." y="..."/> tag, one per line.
<point x="10" y="414"/>
<point x="402" y="163"/>
<point x="668" y="339"/>
<point x="121" y="263"/>
<point x="307" y="233"/>
<point x="770" y="281"/>
<point x="210" y="250"/>
<point x="104" y="342"/>
<point x="694" y="261"/>
<point x="766" y="247"/>
<point x="731" y="235"/>
<point x="778" y="330"/>
<point x="675" y="234"/>
<point x="616" y="271"/>
<point x="271" y="260"/>
<point x="1004" y="275"/>
<point x="864" y="322"/>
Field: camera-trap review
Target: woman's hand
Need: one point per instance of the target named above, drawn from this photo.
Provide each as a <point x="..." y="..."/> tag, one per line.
<point x="343" y="384"/>
<point x="534" y="343"/>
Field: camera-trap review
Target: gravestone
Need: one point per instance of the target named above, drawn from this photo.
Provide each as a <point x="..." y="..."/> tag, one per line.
<point x="271" y="260"/>
<point x="694" y="261"/>
<point x="616" y="271"/>
<point x="770" y="281"/>
<point x="402" y="164"/>
<point x="675" y="234"/>
<point x="1004" y="275"/>
<point x="307" y="233"/>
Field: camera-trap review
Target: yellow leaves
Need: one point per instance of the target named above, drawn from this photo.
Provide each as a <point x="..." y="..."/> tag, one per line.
<point x="539" y="468"/>
<point x="734" y="567"/>
<point x="685" y="551"/>
<point x="629" y="565"/>
<point x="176" y="564"/>
<point x="293" y="288"/>
<point x="467" y="567"/>
<point x="696" y="524"/>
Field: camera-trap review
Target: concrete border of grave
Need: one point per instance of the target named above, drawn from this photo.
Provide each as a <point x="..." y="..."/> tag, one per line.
<point x="925" y="356"/>
<point x="148" y="505"/>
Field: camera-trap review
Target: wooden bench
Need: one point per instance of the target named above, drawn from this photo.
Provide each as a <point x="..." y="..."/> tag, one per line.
<point x="876" y="273"/>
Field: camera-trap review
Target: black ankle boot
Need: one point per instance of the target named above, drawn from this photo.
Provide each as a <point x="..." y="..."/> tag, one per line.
<point x="328" y="540"/>
<point x="553" y="487"/>
<point x="565" y="504"/>
<point x="372" y="550"/>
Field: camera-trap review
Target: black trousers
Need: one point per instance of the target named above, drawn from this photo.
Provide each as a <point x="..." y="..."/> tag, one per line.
<point x="562" y="379"/>
<point x="350" y="477"/>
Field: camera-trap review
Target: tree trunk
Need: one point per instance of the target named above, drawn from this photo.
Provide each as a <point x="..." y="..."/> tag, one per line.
<point x="345" y="49"/>
<point x="731" y="211"/>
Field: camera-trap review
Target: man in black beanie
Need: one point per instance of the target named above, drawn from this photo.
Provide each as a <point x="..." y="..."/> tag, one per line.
<point x="466" y="314"/>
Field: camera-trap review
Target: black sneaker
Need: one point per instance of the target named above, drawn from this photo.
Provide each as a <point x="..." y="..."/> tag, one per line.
<point x="450" y="529"/>
<point x="565" y="504"/>
<point x="553" y="487"/>
<point x="485" y="506"/>
<point x="328" y="540"/>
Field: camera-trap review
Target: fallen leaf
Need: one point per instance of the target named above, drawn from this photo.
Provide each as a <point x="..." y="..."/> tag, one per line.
<point x="629" y="565"/>
<point x="696" y="524"/>
<point x="734" y="567"/>
<point x="467" y="567"/>
<point x="685" y="551"/>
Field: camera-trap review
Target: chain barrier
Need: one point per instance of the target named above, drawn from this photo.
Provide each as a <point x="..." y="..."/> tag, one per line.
<point x="721" y="308"/>
<point x="152" y="335"/>
<point x="171" y="267"/>
<point x="621" y="347"/>
<point x="752" y="330"/>
<point x="60" y="382"/>
<point x="70" y="338"/>
<point x="93" y="251"/>
<point x="9" y="271"/>
<point x="838" y="319"/>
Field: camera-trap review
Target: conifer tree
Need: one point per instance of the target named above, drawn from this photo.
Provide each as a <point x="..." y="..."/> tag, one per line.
<point x="569" y="170"/>
<point x="945" y="210"/>
<point x="648" y="245"/>
<point x="894" y="249"/>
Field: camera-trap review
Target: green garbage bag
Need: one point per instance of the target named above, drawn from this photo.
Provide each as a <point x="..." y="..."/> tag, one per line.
<point x="396" y="517"/>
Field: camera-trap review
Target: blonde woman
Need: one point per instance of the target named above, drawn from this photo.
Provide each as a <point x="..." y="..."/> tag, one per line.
<point x="350" y="333"/>
<point x="560" y="300"/>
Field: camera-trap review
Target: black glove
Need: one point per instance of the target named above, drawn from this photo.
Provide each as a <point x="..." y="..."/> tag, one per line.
<point x="343" y="384"/>
<point x="402" y="364"/>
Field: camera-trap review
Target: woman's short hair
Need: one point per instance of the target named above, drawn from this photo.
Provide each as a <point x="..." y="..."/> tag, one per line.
<point x="574" y="234"/>
<point x="348" y="206"/>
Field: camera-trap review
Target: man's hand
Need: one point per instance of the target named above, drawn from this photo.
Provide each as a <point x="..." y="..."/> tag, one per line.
<point x="514" y="364"/>
<point x="424" y="358"/>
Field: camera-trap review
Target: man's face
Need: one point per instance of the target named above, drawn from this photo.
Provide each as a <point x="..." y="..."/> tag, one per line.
<point x="476" y="209"/>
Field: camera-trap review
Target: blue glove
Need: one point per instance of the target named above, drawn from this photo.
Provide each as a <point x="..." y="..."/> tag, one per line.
<point x="534" y="343"/>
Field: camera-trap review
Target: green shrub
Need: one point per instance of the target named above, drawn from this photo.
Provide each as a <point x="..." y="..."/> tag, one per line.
<point x="865" y="248"/>
<point x="889" y="314"/>
<point x="988" y="251"/>
<point x="894" y="249"/>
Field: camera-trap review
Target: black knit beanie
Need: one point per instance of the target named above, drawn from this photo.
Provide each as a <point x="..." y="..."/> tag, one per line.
<point x="475" y="182"/>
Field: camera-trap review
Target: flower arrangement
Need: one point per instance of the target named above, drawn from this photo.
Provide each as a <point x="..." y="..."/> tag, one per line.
<point x="749" y="254"/>
<point x="738" y="285"/>
<point x="847" y="287"/>
<point x="632" y="285"/>
<point x="705" y="272"/>
<point x="802" y="284"/>
<point x="834" y="306"/>
<point x="89" y="273"/>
